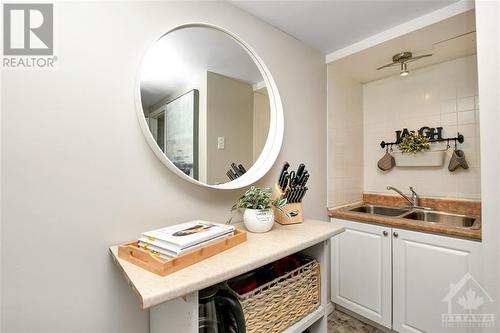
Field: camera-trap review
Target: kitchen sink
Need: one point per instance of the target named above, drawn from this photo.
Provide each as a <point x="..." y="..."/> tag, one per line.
<point x="452" y="220"/>
<point x="380" y="210"/>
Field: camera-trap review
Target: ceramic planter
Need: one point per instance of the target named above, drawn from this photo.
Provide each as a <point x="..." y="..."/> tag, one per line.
<point x="420" y="159"/>
<point x="258" y="220"/>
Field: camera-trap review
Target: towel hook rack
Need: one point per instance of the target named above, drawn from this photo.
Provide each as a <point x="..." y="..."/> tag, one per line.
<point x="459" y="138"/>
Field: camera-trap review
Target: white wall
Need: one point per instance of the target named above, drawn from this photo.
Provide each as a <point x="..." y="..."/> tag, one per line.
<point x="345" y="139"/>
<point x="78" y="176"/>
<point x="488" y="44"/>
<point x="444" y="95"/>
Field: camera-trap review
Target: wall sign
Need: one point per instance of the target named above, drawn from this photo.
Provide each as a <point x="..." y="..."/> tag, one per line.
<point x="433" y="133"/>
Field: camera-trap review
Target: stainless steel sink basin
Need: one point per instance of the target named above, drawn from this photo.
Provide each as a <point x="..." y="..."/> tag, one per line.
<point x="380" y="210"/>
<point x="452" y="220"/>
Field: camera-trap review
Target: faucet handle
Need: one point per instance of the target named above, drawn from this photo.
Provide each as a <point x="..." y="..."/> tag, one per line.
<point x="414" y="197"/>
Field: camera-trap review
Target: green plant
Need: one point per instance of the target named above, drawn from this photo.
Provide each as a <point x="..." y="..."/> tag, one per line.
<point x="258" y="198"/>
<point x="414" y="143"/>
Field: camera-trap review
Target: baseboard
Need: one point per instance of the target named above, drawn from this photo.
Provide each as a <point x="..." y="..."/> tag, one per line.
<point x="329" y="308"/>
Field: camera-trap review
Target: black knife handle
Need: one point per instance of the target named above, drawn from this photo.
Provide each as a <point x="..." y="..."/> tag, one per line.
<point x="242" y="168"/>
<point x="296" y="194"/>
<point x="301" y="178"/>
<point x="283" y="181"/>
<point x="286" y="165"/>
<point x="304" y="179"/>
<point x="287" y="194"/>
<point x="290" y="197"/>
<point x="236" y="170"/>
<point x="302" y="195"/>
<point x="300" y="170"/>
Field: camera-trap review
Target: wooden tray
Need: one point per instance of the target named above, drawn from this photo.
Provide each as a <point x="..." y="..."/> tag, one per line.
<point x="131" y="252"/>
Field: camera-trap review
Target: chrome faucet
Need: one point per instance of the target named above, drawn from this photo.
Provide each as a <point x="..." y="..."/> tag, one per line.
<point x="414" y="197"/>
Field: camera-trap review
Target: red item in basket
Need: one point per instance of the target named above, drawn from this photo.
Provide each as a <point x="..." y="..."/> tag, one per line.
<point x="244" y="286"/>
<point x="285" y="265"/>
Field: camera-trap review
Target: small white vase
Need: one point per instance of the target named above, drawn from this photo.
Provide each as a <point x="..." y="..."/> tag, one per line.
<point x="258" y="220"/>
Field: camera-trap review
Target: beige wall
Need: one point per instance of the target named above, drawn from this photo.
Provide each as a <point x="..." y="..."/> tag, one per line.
<point x="78" y="175"/>
<point x="440" y="95"/>
<point x="345" y="139"/>
<point x="229" y="115"/>
<point x="261" y="119"/>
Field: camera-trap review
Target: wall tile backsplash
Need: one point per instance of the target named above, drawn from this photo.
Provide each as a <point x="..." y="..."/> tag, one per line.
<point x="440" y="95"/>
<point x="345" y="139"/>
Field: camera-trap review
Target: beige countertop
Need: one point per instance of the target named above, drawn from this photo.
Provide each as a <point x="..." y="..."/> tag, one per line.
<point x="258" y="250"/>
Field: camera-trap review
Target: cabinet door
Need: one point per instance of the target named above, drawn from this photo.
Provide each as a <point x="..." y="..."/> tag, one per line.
<point x="361" y="270"/>
<point x="424" y="268"/>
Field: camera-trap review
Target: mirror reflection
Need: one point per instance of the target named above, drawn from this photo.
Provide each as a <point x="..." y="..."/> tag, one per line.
<point x="205" y="103"/>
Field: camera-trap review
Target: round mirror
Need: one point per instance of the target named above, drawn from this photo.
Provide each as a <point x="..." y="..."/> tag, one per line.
<point x="209" y="107"/>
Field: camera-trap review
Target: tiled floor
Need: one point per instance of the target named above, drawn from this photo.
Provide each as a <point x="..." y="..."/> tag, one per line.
<point x="339" y="322"/>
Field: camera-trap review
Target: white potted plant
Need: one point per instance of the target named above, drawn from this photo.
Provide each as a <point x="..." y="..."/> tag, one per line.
<point x="258" y="215"/>
<point x="414" y="151"/>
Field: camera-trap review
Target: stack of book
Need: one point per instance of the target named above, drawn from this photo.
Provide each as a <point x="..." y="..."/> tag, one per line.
<point x="178" y="239"/>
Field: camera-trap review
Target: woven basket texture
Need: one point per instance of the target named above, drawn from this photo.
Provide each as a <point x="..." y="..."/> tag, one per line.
<point x="276" y="305"/>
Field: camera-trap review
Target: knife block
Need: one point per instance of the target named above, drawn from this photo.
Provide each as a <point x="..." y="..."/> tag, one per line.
<point x="294" y="209"/>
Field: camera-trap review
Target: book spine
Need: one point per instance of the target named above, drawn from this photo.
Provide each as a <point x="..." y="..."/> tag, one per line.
<point x="177" y="249"/>
<point x="168" y="250"/>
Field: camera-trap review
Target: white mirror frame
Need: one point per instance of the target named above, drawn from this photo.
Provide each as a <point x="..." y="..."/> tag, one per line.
<point x="274" y="140"/>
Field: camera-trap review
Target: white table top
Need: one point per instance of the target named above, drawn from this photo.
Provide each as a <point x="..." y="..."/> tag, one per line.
<point x="258" y="250"/>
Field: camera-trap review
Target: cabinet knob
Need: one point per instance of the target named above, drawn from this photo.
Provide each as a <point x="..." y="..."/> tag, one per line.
<point x="385" y="233"/>
<point x="395" y="234"/>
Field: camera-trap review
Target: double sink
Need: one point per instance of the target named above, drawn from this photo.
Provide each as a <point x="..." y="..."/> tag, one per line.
<point x="423" y="215"/>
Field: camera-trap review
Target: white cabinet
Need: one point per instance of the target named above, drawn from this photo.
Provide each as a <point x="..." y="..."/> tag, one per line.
<point x="424" y="267"/>
<point x="400" y="280"/>
<point x="361" y="273"/>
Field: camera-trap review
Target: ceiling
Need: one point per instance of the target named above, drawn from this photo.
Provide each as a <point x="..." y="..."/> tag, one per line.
<point x="331" y="25"/>
<point x="181" y="57"/>
<point x="446" y="40"/>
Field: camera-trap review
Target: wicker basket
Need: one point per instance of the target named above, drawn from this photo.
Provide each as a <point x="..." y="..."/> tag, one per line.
<point x="278" y="304"/>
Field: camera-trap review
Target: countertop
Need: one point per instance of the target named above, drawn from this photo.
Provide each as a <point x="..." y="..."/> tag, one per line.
<point x="258" y="250"/>
<point x="398" y="222"/>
